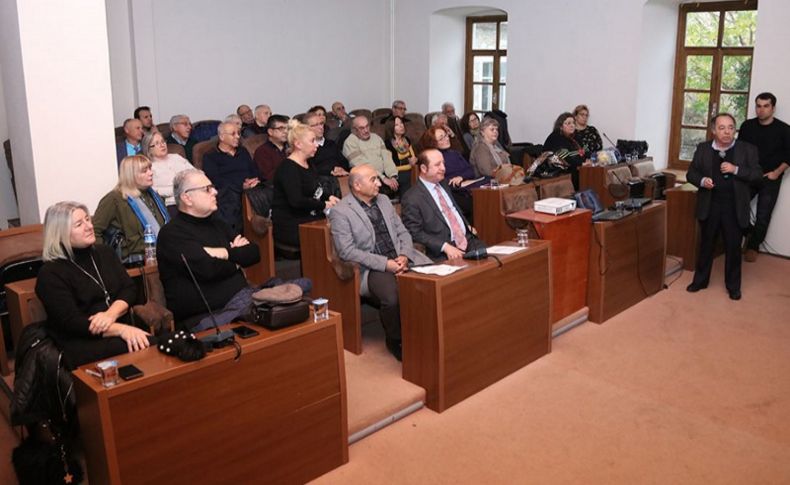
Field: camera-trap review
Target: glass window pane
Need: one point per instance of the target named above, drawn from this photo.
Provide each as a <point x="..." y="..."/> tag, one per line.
<point x="695" y="109"/>
<point x="735" y="73"/>
<point x="483" y="69"/>
<point x="736" y="105"/>
<point x="702" y="29"/>
<point x="503" y="35"/>
<point x="502" y="98"/>
<point x="484" y="35"/>
<point x="698" y="72"/>
<point x="482" y="94"/>
<point x="689" y="139"/>
<point x="503" y="69"/>
<point x="739" y="28"/>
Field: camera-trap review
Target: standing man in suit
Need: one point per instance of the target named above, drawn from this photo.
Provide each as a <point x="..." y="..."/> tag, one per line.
<point x="724" y="170"/>
<point x="367" y="231"/>
<point x="431" y="214"/>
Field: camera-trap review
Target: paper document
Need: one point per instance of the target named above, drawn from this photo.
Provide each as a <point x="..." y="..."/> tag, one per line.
<point x="504" y="249"/>
<point x="437" y="269"/>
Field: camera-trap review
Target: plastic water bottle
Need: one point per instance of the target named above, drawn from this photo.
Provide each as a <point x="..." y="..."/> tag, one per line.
<point x="150" y="245"/>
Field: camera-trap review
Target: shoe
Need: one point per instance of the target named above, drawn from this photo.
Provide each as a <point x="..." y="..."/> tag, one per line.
<point x="396" y="349"/>
<point x="750" y="256"/>
<point x="693" y="287"/>
<point x="735" y="295"/>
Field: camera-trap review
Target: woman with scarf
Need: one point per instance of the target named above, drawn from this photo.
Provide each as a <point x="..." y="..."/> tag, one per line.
<point x="402" y="150"/>
<point x="470" y="128"/>
<point x="130" y="207"/>
<point x="562" y="142"/>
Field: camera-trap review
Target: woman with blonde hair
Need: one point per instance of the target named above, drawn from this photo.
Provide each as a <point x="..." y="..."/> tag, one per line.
<point x="298" y="195"/>
<point x="85" y="290"/>
<point x="123" y="214"/>
<point x="165" y="166"/>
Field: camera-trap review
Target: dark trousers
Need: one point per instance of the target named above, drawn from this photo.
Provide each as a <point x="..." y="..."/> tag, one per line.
<point x="721" y="219"/>
<point x="383" y="288"/>
<point x="767" y="193"/>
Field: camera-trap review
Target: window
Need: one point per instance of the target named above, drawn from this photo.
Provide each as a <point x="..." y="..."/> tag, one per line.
<point x="712" y="71"/>
<point x="486" y="63"/>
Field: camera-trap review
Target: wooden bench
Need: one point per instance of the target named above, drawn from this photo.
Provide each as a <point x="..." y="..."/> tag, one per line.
<point x="333" y="279"/>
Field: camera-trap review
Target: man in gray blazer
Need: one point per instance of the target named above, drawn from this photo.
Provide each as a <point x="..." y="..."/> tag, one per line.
<point x="723" y="170"/>
<point x="432" y="216"/>
<point x="367" y="231"/>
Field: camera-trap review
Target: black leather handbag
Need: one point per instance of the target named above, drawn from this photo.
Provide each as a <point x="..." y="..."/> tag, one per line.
<point x="274" y="317"/>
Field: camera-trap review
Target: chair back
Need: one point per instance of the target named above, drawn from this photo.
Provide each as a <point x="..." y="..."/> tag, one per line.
<point x="561" y="188"/>
<point x="382" y="112"/>
<point x="177" y="149"/>
<point x="252" y="143"/>
<point x="518" y="198"/>
<point x="642" y="169"/>
<point x="204" y="130"/>
<point x="429" y="116"/>
<point x="200" y="150"/>
<point x="362" y="111"/>
<point x="164" y="129"/>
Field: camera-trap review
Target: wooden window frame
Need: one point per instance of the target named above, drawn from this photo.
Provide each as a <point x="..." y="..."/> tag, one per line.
<point x="471" y="53"/>
<point x="717" y="52"/>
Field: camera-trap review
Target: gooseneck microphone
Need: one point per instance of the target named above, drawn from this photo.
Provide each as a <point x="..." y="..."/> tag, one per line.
<point x="609" y="140"/>
<point x="220" y="338"/>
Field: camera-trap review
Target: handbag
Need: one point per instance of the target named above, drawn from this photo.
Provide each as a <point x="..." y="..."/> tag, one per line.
<point x="279" y="307"/>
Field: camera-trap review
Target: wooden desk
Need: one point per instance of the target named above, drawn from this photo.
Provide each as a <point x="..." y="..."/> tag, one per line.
<point x="463" y="332"/>
<point x="627" y="259"/>
<point x="277" y="415"/>
<point x="682" y="227"/>
<point x="570" y="250"/>
<point x="489" y="215"/>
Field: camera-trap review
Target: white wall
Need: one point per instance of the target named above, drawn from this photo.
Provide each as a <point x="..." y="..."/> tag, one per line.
<point x="122" y="66"/>
<point x="204" y="58"/>
<point x="447" y="51"/>
<point x="656" y="77"/>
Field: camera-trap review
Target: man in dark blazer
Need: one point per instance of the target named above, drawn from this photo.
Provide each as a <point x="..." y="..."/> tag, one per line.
<point x="724" y="170"/>
<point x="431" y="214"/>
<point x="130" y="145"/>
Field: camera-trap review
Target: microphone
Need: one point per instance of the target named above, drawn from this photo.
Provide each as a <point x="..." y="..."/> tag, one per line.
<point x="722" y="156"/>
<point x="609" y="140"/>
<point x="221" y="337"/>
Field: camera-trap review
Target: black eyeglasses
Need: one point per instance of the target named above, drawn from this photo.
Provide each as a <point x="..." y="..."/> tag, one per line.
<point x="206" y="188"/>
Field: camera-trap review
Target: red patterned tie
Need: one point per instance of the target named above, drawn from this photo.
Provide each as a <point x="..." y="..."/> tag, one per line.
<point x="458" y="233"/>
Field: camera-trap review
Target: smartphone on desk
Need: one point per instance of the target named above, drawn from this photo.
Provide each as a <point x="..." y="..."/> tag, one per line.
<point x="129" y="372"/>
<point x="244" y="331"/>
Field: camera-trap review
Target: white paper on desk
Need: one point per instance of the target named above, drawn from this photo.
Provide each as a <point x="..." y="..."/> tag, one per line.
<point x="504" y="249"/>
<point x="437" y="269"/>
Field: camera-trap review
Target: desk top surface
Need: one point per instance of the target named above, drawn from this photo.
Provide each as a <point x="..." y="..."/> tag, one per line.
<point x="534" y="216"/>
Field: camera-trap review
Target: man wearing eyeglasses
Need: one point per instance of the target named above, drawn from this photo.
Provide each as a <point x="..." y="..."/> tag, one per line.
<point x="364" y="147"/>
<point x="398" y="109"/>
<point x="231" y="169"/>
<point x="328" y="161"/>
<point x="215" y="254"/>
<point x="180" y="134"/>
<point x="271" y="154"/>
<point x="724" y="170"/>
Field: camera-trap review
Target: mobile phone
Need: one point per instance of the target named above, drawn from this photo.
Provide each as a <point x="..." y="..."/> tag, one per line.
<point x="245" y="332"/>
<point x="129" y="372"/>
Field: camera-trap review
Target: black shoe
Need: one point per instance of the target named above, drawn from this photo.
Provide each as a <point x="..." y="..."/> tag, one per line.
<point x="735" y="295"/>
<point x="396" y="349"/>
<point x="693" y="287"/>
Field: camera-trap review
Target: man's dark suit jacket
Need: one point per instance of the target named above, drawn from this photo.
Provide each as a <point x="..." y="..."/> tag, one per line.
<point x="120" y="150"/>
<point x="425" y="222"/>
<point x="705" y="161"/>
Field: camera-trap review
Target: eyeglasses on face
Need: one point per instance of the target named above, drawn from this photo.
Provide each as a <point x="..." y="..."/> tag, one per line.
<point x="205" y="188"/>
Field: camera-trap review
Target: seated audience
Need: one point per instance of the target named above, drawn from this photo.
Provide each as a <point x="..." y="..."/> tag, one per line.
<point x="470" y="128"/>
<point x="130" y="145"/>
<point x="245" y="116"/>
<point x="131" y="206"/>
<point x="487" y="154"/>
<point x="367" y="231"/>
<point x="402" y="150"/>
<point x="236" y="120"/>
<point x="328" y="160"/>
<point x="143" y="113"/>
<point x="448" y="109"/>
<point x="338" y="117"/>
<point x="180" y="131"/>
<point x="365" y="148"/>
<point x="459" y="173"/>
<point x="318" y="110"/>
<point x="431" y="214"/>
<point x="398" y="109"/>
<point x="85" y="290"/>
<point x="298" y="195"/>
<point x="165" y="166"/>
<point x="258" y="126"/>
<point x="231" y="170"/>
<point x="586" y="135"/>
<point x="561" y="141"/>
<point x="216" y="255"/>
<point x="271" y="154"/>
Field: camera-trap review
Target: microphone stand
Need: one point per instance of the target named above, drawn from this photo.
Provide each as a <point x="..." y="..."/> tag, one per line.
<point x="220" y="338"/>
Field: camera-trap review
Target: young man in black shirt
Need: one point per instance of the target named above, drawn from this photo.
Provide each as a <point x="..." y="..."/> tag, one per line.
<point x="772" y="138"/>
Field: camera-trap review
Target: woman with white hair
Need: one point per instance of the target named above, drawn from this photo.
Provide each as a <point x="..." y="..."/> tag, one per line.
<point x="165" y="166"/>
<point x="85" y="290"/>
<point x="131" y="206"/>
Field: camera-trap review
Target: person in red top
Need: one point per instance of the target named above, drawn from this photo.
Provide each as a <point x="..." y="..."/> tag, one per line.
<point x="271" y="154"/>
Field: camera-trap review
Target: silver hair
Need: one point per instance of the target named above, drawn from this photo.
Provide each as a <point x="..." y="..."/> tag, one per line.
<point x="447" y="104"/>
<point x="233" y="118"/>
<point x="180" y="180"/>
<point x="57" y="230"/>
<point x="260" y="107"/>
<point x="224" y="123"/>
<point x="174" y="120"/>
